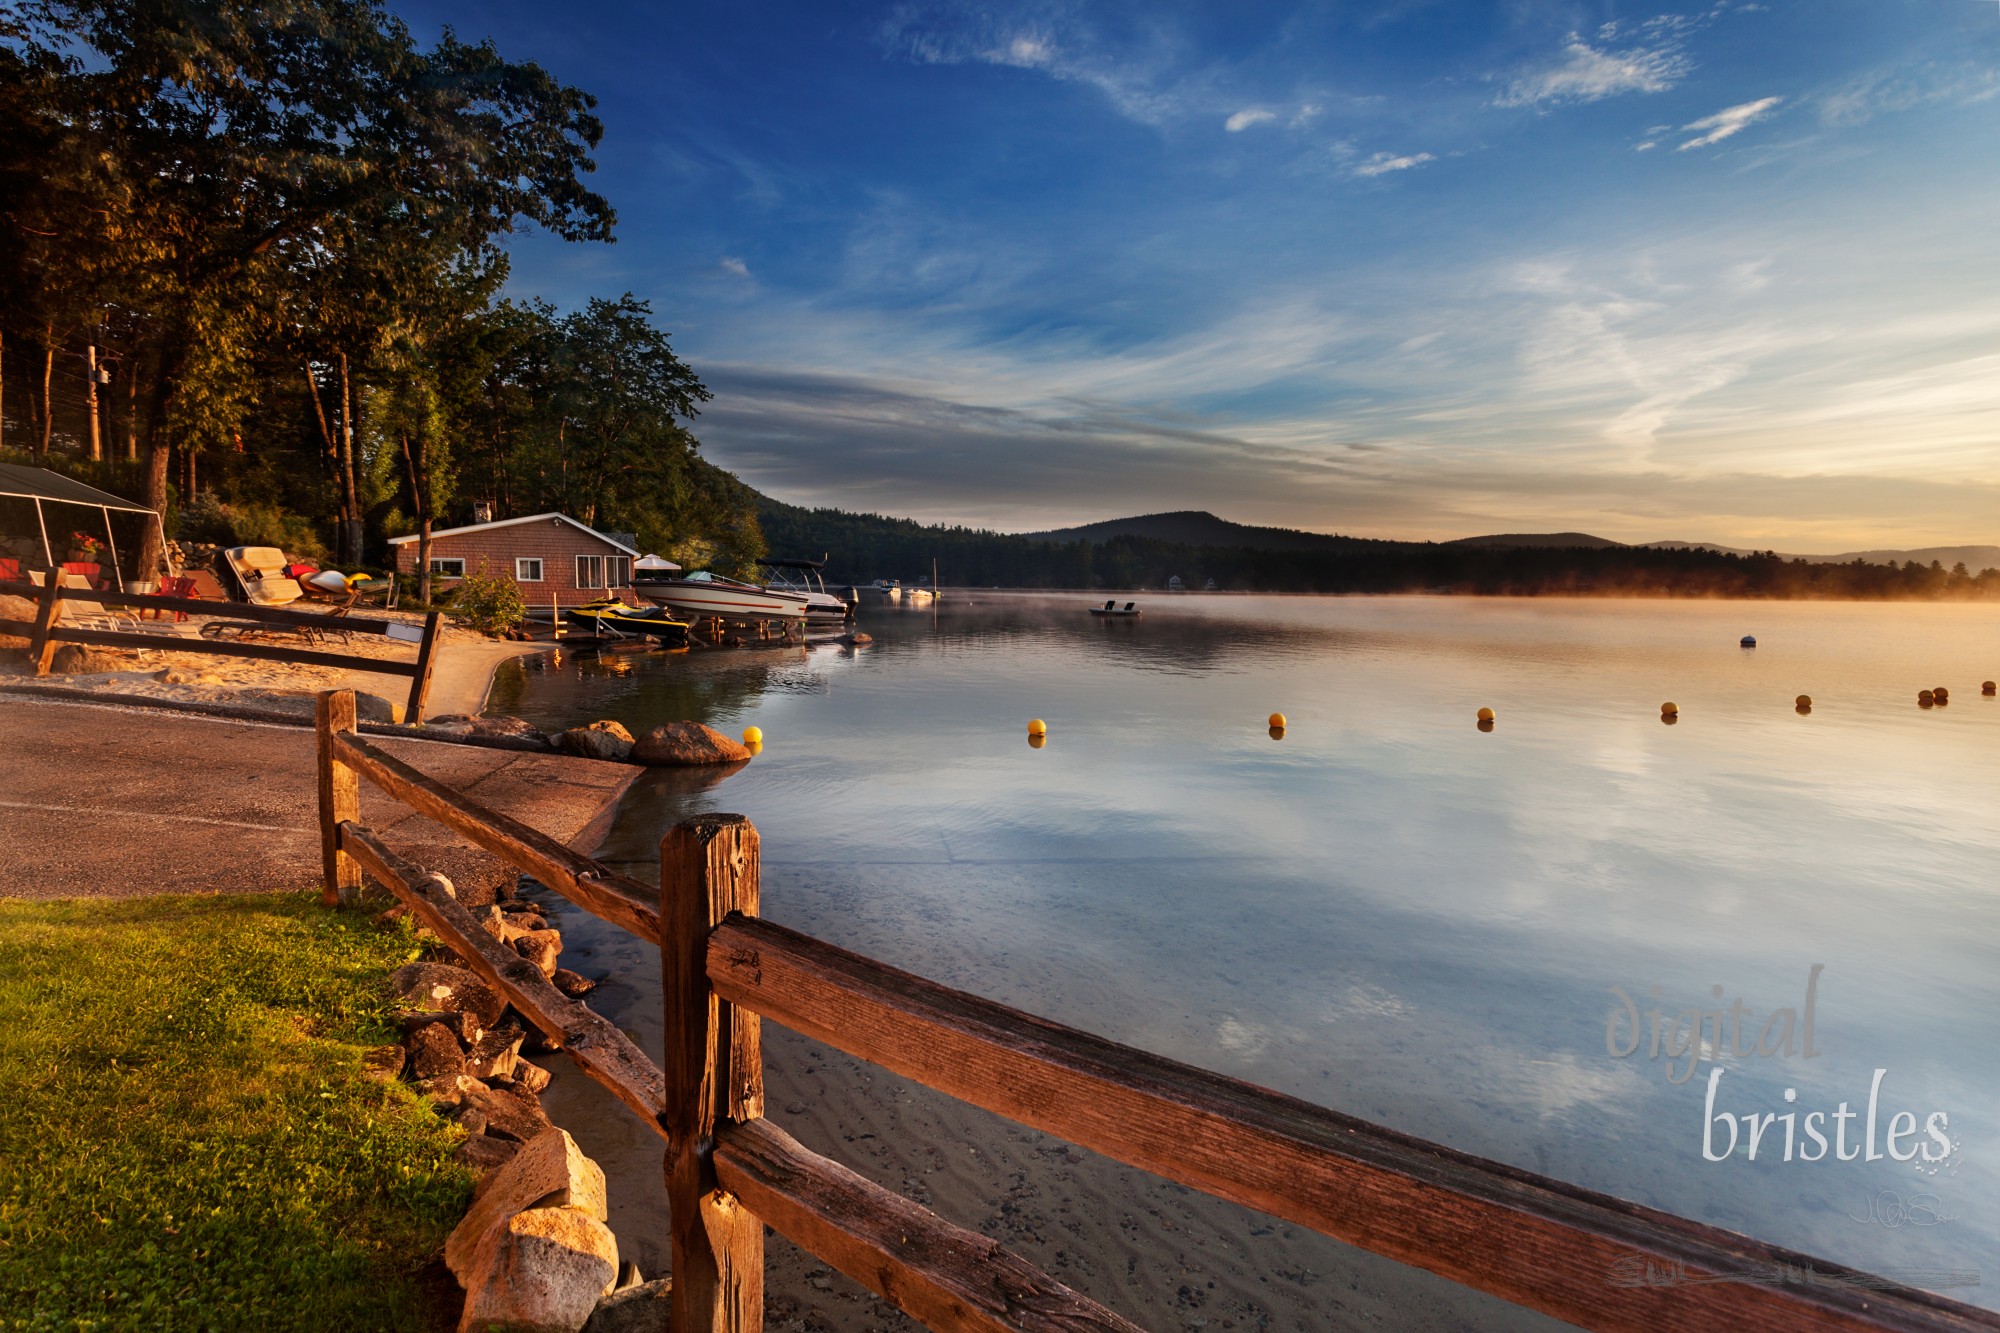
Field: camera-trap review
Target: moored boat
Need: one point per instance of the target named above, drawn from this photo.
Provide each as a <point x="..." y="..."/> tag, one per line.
<point x="1116" y="611"/>
<point x="803" y="576"/>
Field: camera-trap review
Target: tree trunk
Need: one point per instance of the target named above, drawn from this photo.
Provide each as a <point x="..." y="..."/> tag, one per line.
<point x="413" y="460"/>
<point x="132" y="408"/>
<point x="332" y="460"/>
<point x="151" y="558"/>
<point x="48" y="370"/>
<point x="350" y="536"/>
<point x="96" y="435"/>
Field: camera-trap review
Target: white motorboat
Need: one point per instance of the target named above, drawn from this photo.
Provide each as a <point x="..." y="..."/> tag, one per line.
<point x="889" y="590"/>
<point x="702" y="595"/>
<point x="918" y="596"/>
<point x="803" y="576"/>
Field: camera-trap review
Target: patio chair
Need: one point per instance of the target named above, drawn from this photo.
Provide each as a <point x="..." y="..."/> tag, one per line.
<point x="171" y="586"/>
<point x="260" y="573"/>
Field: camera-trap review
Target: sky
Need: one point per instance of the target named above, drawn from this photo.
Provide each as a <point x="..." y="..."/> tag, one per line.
<point x="1411" y="268"/>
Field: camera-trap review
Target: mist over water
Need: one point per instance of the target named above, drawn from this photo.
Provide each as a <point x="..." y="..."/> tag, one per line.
<point x="1388" y="911"/>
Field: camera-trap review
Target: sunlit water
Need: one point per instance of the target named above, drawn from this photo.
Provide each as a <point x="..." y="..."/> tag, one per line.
<point x="1395" y="914"/>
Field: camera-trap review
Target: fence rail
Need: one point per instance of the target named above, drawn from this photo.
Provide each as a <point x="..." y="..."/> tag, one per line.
<point x="1599" y="1262"/>
<point x="47" y="632"/>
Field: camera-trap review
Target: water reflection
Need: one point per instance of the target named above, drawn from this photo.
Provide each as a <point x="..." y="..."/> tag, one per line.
<point x="1386" y="915"/>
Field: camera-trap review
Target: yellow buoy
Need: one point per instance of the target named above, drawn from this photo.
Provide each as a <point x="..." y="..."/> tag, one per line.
<point x="1277" y="721"/>
<point x="753" y="735"/>
<point x="1038" y="728"/>
<point x="1670" y="710"/>
<point x="1485" y="715"/>
<point x="1036" y="740"/>
<point x="1940" y="693"/>
<point x="1803" y="701"/>
<point x="1926" y="698"/>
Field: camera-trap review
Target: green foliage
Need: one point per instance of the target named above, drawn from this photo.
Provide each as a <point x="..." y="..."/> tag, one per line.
<point x="210" y="520"/>
<point x="190" y="1141"/>
<point x="488" y="602"/>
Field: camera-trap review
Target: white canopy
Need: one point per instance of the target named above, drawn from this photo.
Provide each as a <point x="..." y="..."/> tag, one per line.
<point x="653" y="562"/>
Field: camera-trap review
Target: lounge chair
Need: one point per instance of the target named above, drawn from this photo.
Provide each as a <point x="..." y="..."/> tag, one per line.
<point x="85" y="614"/>
<point x="1128" y="605"/>
<point x="260" y="573"/>
<point x="1109" y="605"/>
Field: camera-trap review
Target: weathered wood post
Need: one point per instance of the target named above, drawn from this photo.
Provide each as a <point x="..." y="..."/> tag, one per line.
<point x="339" y="798"/>
<point x="420" y="683"/>
<point x="714" y="1069"/>
<point x="42" y="644"/>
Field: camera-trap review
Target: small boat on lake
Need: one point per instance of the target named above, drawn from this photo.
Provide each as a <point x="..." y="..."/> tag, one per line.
<point x="1112" y="608"/>
<point x="611" y="618"/>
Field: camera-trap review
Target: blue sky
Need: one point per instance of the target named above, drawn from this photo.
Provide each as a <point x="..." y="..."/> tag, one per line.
<point x="1395" y="269"/>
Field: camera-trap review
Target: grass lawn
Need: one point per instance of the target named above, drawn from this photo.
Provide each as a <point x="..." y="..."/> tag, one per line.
<point x="186" y="1137"/>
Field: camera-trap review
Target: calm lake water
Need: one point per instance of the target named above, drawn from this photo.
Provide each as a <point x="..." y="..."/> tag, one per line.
<point x="1395" y="914"/>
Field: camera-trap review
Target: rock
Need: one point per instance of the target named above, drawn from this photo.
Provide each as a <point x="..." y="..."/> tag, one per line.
<point x="447" y="1092"/>
<point x="541" y="1043"/>
<point x="505" y="928"/>
<point x="511" y="728"/>
<point x="441" y="986"/>
<point x="549" y="1172"/>
<point x="434" y="1052"/>
<point x="530" y="1076"/>
<point x="495" y="1054"/>
<point x="384" y="1064"/>
<point x="640" y="1309"/>
<point x="470" y="1119"/>
<point x="683" y="743"/>
<point x="17" y="609"/>
<point x="465" y="1027"/>
<point x="483" y="1154"/>
<point x="525" y="919"/>
<point x="545" y="1271"/>
<point x="573" y="984"/>
<point x="543" y="948"/>
<point x="374" y="708"/>
<point x="599" y="740"/>
<point x="511" y="1113"/>
<point x="75" y="659"/>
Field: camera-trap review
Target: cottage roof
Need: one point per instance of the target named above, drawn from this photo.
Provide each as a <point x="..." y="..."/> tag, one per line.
<point x="513" y="522"/>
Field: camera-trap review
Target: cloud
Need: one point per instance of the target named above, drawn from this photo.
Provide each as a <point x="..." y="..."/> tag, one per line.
<point x="1247" y="117"/>
<point x="1587" y="74"/>
<point x="735" y="267"/>
<point x="1383" y="163"/>
<point x="1730" y="120"/>
<point x="1056" y="46"/>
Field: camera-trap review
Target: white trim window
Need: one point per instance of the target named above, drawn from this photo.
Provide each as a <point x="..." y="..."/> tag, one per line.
<point x="618" y="571"/>
<point x="590" y="571"/>
<point x="448" y="566"/>
<point x="527" y="569"/>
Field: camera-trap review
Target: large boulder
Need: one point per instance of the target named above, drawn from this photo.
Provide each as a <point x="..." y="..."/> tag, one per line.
<point x="549" y="1171"/>
<point x="78" y="659"/>
<point x="18" y="609"/>
<point x="683" y="744"/>
<point x="511" y="1112"/>
<point x="434" y="1052"/>
<point x="544" y="1272"/>
<point x="599" y="740"/>
<point x="442" y="986"/>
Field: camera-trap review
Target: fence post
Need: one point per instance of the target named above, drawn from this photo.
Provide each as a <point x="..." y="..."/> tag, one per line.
<point x="42" y="644"/>
<point x="420" y="684"/>
<point x="713" y="1070"/>
<point x="339" y="798"/>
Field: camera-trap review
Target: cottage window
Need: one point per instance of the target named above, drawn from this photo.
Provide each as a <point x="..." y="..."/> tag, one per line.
<point x="590" y="571"/>
<point x="451" y="568"/>
<point x="618" y="569"/>
<point x="527" y="571"/>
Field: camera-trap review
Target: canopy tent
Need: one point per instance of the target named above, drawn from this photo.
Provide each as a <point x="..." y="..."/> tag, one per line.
<point x="654" y="562"/>
<point x="54" y="500"/>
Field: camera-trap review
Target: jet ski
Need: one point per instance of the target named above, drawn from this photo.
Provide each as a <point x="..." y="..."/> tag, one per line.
<point x="612" y="619"/>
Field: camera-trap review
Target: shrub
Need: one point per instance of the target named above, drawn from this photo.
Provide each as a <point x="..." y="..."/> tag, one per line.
<point x="489" y="603"/>
<point x="210" y="520"/>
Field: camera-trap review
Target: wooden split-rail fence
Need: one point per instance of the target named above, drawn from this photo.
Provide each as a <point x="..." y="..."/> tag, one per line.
<point x="1595" y="1261"/>
<point x="49" y="631"/>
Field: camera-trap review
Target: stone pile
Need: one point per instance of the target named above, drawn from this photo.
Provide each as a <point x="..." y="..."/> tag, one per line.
<point x="463" y="1044"/>
<point x="670" y="745"/>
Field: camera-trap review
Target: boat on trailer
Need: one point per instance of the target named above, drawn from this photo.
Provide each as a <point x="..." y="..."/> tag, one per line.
<point x="706" y="596"/>
<point x="610" y="618"/>
<point x="803" y="576"/>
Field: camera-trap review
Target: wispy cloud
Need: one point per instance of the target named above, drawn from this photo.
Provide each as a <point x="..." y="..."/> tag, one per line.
<point x="1383" y="163"/>
<point x="735" y="267"/>
<point x="1247" y="117"/>
<point x="1586" y="73"/>
<point x="1728" y="121"/>
<point x="1134" y="79"/>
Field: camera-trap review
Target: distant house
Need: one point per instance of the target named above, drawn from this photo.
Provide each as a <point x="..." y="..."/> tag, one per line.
<point x="549" y="555"/>
<point x="1174" y="584"/>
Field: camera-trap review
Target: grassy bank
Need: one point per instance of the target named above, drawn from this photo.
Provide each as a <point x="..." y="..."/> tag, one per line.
<point x="189" y="1141"/>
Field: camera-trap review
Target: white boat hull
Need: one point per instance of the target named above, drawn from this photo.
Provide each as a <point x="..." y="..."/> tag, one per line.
<point x="698" y="601"/>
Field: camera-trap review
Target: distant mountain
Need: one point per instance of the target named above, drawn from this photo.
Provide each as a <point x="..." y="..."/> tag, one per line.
<point x="1556" y="540"/>
<point x="1196" y="527"/>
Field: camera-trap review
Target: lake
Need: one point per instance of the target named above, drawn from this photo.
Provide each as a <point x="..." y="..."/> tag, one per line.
<point x="1387" y="911"/>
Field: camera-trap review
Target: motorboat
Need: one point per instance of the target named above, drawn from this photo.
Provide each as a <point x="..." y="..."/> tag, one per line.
<point x="608" y="617"/>
<point x="889" y="590"/>
<point x="803" y="576"/>
<point x="1113" y="609"/>
<point x="918" y="596"/>
<point x="703" y="595"/>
